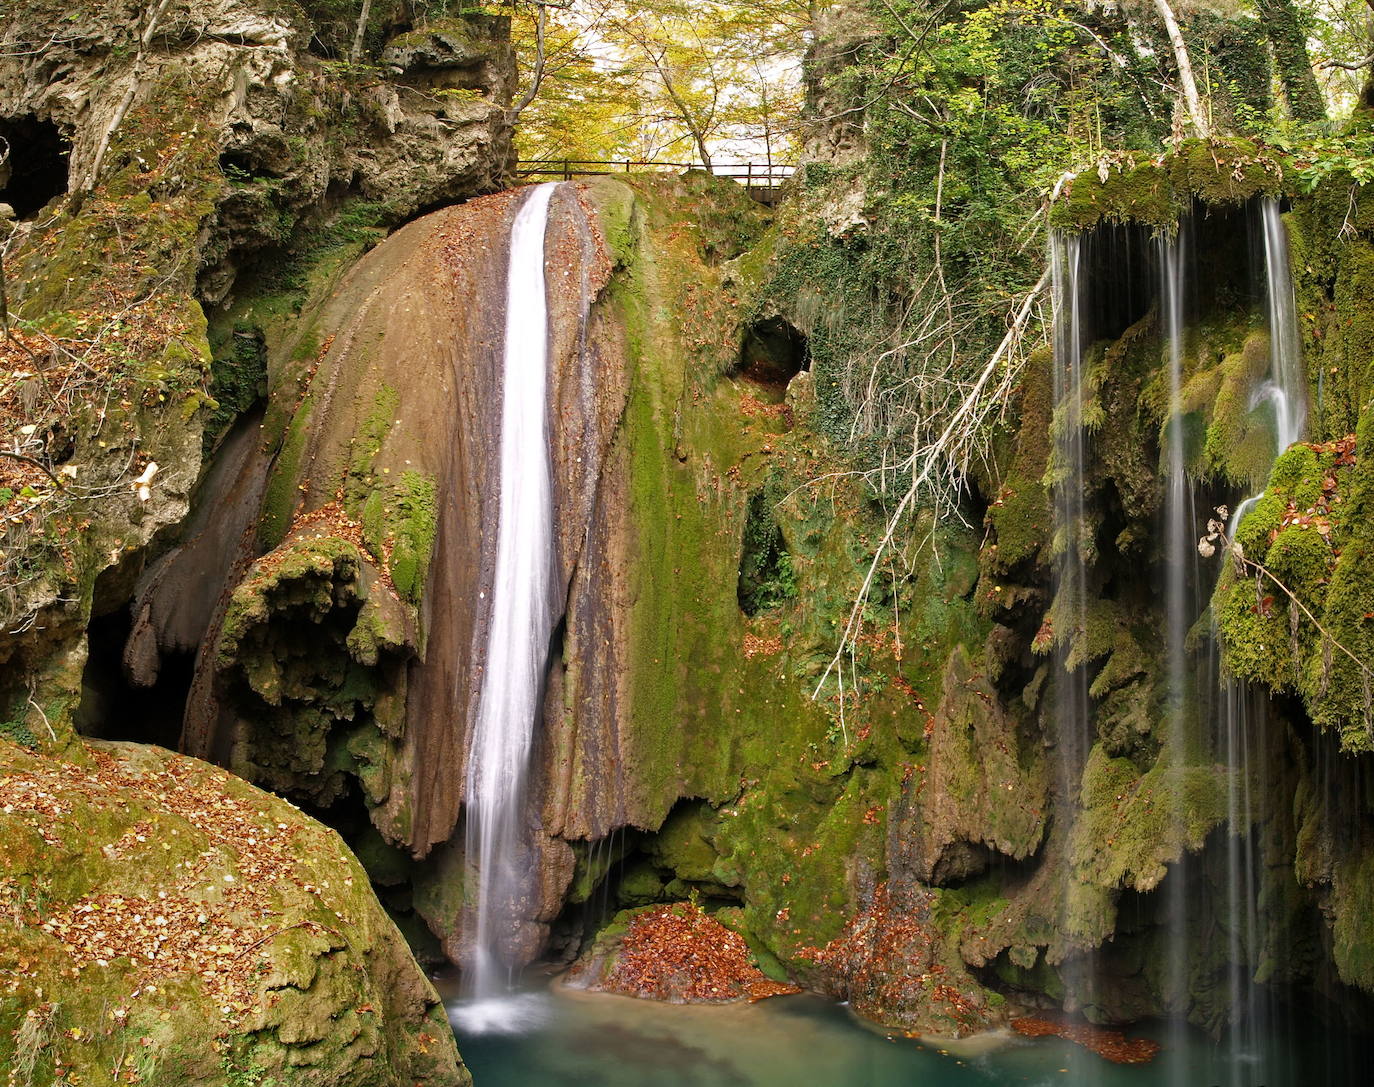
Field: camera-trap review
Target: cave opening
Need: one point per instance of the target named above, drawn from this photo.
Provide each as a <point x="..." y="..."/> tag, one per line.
<point x="629" y="869"/>
<point x="243" y="166"/>
<point x="37" y="170"/>
<point x="772" y="352"/>
<point x="766" y="577"/>
<point x="1120" y="273"/>
<point x="1118" y="279"/>
<point x="112" y="706"/>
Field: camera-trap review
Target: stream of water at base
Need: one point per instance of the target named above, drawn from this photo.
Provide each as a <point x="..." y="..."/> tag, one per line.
<point x="560" y="1037"/>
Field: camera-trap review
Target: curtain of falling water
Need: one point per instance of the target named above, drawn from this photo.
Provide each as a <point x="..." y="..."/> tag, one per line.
<point x="1285" y="388"/>
<point x="1071" y="716"/>
<point x="1245" y="712"/>
<point x="521" y="623"/>
<point x="1178" y="549"/>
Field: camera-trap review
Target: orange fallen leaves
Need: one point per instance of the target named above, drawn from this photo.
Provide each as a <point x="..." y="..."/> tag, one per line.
<point x="1111" y="1044"/>
<point x="680" y="954"/>
<point x="195" y="925"/>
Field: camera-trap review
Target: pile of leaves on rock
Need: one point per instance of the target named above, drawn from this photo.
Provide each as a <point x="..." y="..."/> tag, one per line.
<point x="680" y="954"/>
<point x="1111" y="1044"/>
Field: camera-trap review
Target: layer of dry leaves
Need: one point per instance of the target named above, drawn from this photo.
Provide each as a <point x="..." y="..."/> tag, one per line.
<point x="1111" y="1044"/>
<point x="1318" y="515"/>
<point x="206" y="921"/>
<point x="756" y="645"/>
<point x="679" y="953"/>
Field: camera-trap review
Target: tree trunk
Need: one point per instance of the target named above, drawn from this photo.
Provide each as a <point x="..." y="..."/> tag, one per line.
<point x="1187" y="84"/>
<point x="540" y="61"/>
<point x="1305" y="102"/>
<point x="356" y="53"/>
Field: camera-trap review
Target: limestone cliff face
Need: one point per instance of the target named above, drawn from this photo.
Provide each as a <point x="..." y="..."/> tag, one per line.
<point x="156" y="151"/>
<point x="419" y="121"/>
<point x="344" y="665"/>
<point x="377" y="513"/>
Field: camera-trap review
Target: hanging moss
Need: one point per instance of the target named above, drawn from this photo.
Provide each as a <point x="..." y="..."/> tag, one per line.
<point x="1158" y="192"/>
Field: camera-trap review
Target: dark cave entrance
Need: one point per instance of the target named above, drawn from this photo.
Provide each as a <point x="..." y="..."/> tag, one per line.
<point x="37" y="169"/>
<point x="112" y="706"/>
<point x="1120" y="273"/>
<point x="1118" y="279"/>
<point x="630" y="868"/>
<point x="772" y="353"/>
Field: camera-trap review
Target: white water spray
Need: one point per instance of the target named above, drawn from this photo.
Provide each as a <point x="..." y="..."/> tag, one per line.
<point x="523" y="615"/>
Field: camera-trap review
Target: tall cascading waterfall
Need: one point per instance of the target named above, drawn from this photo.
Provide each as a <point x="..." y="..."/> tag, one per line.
<point x="1285" y="387"/>
<point x="1244" y="711"/>
<point x="1073" y="725"/>
<point x="523" y="613"/>
<point x="1179" y="551"/>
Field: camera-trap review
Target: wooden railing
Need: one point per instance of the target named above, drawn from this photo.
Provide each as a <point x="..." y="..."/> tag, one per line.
<point x="762" y="179"/>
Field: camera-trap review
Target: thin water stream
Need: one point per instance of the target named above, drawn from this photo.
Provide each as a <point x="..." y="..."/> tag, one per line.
<point x="1179" y="611"/>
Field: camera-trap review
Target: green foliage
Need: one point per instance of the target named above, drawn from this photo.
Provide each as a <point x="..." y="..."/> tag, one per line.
<point x="244" y="1073"/>
<point x="17" y="731"/>
<point x="766" y="576"/>
<point x="1347" y="156"/>
<point x="238" y="377"/>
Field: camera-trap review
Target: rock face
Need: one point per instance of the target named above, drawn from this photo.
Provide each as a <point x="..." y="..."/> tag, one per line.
<point x="156" y="152"/>
<point x="168" y="160"/>
<point x="295" y="133"/>
<point x="166" y="923"/>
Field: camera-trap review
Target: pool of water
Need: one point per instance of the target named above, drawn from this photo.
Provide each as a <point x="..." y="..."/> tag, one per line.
<point x="559" y="1037"/>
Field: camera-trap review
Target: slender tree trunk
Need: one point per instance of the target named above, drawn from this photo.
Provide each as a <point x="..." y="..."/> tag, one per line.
<point x="540" y="62"/>
<point x="356" y="53"/>
<point x="1304" y="97"/>
<point x="1191" y="99"/>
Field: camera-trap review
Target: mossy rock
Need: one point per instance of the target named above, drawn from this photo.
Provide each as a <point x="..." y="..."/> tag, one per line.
<point x="151" y="878"/>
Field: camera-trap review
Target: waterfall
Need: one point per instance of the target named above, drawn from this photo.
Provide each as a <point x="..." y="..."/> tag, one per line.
<point x="1179" y="548"/>
<point x="1068" y="616"/>
<point x="1285" y="346"/>
<point x="1245" y="717"/>
<point x="522" y="618"/>
<point x="1284" y="390"/>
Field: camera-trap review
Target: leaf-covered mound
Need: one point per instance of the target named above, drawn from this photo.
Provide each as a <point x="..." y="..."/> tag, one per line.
<point x="163" y="922"/>
<point x="676" y="953"/>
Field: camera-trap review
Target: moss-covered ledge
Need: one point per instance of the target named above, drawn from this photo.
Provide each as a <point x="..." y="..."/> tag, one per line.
<point x="1158" y="190"/>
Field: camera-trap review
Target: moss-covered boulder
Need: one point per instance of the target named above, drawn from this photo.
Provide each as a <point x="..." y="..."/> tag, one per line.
<point x="167" y="923"/>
